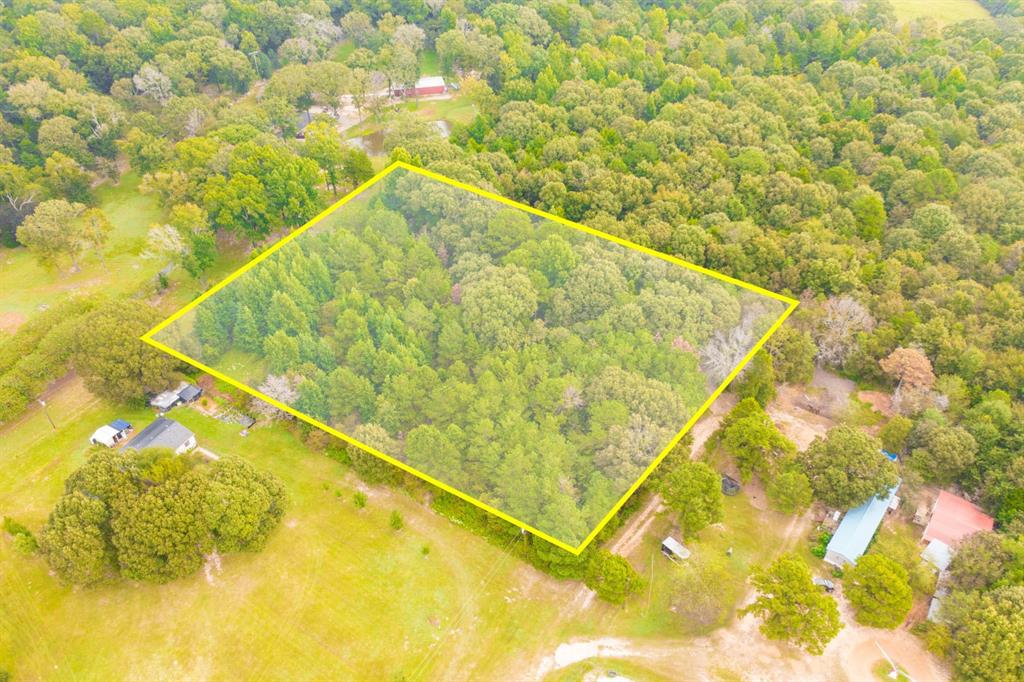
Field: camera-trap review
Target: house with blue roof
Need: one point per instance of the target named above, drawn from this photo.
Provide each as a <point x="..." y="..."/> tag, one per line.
<point x="857" y="528"/>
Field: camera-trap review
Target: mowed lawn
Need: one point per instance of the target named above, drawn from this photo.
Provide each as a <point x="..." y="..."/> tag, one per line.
<point x="25" y="285"/>
<point x="335" y="594"/>
<point x="943" y="11"/>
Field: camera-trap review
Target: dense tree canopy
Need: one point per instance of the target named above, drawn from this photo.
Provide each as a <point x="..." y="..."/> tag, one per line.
<point x="695" y="491"/>
<point x="532" y="366"/>
<point x="154" y="515"/>
<point x="113" y="361"/>
<point x="988" y="634"/>
<point x="822" y="150"/>
<point x="879" y="590"/>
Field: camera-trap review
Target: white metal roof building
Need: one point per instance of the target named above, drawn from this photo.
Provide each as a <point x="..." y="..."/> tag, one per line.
<point x="105" y="435"/>
<point x="674" y="549"/>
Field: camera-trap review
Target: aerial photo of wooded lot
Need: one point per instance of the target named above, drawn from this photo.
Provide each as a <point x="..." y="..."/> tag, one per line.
<point x="850" y="507"/>
<point x="521" y="362"/>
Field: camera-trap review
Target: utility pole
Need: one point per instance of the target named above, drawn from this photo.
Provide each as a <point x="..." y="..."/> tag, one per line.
<point x="47" y="413"/>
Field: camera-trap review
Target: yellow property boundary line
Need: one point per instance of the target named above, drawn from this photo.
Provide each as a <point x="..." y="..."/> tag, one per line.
<point x="790" y="302"/>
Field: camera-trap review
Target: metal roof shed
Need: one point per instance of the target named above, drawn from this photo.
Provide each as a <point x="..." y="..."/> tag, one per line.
<point x="674" y="549"/>
<point x="190" y="393"/>
<point x="165" y="400"/>
<point x="105" y="435"/>
<point x="856" y="530"/>
<point x="938" y="554"/>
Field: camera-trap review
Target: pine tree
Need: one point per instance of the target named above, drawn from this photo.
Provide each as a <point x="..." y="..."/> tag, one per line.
<point x="247" y="334"/>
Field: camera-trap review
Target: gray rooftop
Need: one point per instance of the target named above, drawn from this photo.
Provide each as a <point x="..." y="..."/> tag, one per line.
<point x="162" y="433"/>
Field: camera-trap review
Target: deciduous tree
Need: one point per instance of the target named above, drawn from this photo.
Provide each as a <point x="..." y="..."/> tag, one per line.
<point x="695" y="491"/>
<point x="879" y="590"/>
<point x="115" y="364"/>
<point x="846" y="467"/>
<point x="791" y="607"/>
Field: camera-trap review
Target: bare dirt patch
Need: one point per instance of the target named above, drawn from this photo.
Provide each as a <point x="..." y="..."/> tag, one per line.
<point x="879" y="402"/>
<point x="804" y="413"/>
<point x="10" y="321"/>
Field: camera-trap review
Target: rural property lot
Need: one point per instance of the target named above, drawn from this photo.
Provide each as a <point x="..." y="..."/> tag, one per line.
<point x="537" y="370"/>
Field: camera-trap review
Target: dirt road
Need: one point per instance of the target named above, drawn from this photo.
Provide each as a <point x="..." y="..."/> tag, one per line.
<point x="632" y="534"/>
<point x="742" y="649"/>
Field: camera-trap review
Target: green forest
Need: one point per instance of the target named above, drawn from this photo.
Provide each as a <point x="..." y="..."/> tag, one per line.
<point x="868" y="167"/>
<point x="532" y="366"/>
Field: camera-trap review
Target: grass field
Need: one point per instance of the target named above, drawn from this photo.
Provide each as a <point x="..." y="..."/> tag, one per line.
<point x="25" y="285"/>
<point x="745" y="530"/>
<point x="455" y="110"/>
<point x="943" y="11"/>
<point x="343" y="49"/>
<point x="429" y="64"/>
<point x="336" y="593"/>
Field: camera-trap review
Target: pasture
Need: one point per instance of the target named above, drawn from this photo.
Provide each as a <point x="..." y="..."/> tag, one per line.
<point x="335" y="594"/>
<point x="25" y="285"/>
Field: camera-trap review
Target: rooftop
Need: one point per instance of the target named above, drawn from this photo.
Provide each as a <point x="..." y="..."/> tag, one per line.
<point x="938" y="554"/>
<point x="162" y="433"/>
<point x="859" y="526"/>
<point x="430" y="82"/>
<point x="675" y="547"/>
<point x="954" y="518"/>
<point x="104" y="434"/>
<point x="190" y="393"/>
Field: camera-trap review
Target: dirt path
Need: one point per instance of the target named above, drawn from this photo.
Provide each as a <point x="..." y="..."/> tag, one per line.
<point x="742" y="649"/>
<point x="709" y="422"/>
<point x="632" y="534"/>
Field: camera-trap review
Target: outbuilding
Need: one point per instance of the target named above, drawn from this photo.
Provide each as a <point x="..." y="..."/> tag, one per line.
<point x="938" y="554"/>
<point x="111" y="434"/>
<point x="856" y="529"/>
<point x="427" y="85"/>
<point x="674" y="549"/>
<point x="165" y="401"/>
<point x="184" y="393"/>
<point x="164" y="433"/>
<point x="301" y="123"/>
<point x="189" y="393"/>
<point x="954" y="518"/>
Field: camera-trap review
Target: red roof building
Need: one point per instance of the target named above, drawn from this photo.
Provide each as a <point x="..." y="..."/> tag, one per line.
<point x="954" y="518"/>
<point x="428" y="85"/>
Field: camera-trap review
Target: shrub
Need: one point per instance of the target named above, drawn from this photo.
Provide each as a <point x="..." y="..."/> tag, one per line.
<point x="818" y="549"/>
<point x="612" y="577"/>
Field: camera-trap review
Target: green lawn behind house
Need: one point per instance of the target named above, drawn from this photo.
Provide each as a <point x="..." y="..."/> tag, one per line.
<point x="335" y="594"/>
